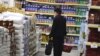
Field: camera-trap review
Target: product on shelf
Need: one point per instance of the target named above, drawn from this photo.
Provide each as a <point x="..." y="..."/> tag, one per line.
<point x="67" y="48"/>
<point x="44" y="19"/>
<point x="45" y="38"/>
<point x="45" y="29"/>
<point x="94" y="17"/>
<point x="73" y="30"/>
<point x="96" y="2"/>
<point x="44" y="8"/>
<point x="74" y="20"/>
<point x="92" y="51"/>
<point x="2" y="8"/>
<point x="72" y="40"/>
<point x="94" y="35"/>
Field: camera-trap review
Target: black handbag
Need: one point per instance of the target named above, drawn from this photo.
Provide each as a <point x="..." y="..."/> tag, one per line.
<point x="49" y="47"/>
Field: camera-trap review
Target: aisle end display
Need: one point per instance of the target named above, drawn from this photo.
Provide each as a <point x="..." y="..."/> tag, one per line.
<point x="22" y="33"/>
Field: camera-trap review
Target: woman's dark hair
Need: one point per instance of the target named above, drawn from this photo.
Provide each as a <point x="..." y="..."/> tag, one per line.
<point x="58" y="10"/>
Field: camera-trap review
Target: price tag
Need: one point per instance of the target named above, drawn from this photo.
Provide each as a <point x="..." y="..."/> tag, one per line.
<point x="94" y="45"/>
<point x="99" y="29"/>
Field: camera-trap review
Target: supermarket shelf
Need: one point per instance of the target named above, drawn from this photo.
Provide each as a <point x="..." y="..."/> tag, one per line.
<point x="74" y="25"/>
<point x="64" y="44"/>
<point x="74" y="34"/>
<point x="43" y="23"/>
<point x="57" y="3"/>
<point x="51" y="24"/>
<point x="47" y="33"/>
<point x="95" y="7"/>
<point x="44" y="43"/>
<point x="70" y="44"/>
<point x="90" y="43"/>
<point x="93" y="25"/>
<point x="53" y="14"/>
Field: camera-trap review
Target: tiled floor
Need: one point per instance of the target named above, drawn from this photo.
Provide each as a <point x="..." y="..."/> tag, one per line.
<point x="73" y="53"/>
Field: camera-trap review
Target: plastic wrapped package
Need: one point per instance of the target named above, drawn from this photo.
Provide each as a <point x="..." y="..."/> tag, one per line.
<point x="20" y="46"/>
<point x="12" y="14"/>
<point x="20" y="52"/>
<point x="20" y="36"/>
<point x="18" y="27"/>
<point x="18" y="32"/>
<point x="16" y="20"/>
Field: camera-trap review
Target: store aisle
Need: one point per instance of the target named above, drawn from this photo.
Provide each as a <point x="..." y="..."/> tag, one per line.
<point x="42" y="53"/>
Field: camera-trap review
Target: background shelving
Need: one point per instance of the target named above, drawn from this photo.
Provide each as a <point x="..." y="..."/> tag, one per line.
<point x="74" y="11"/>
<point x="44" y="13"/>
<point x="93" y="42"/>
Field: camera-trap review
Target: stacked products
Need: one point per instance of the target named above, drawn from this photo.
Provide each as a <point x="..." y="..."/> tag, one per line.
<point x="73" y="30"/>
<point x="45" y="38"/>
<point x="44" y="19"/>
<point x="49" y="19"/>
<point x="74" y="20"/>
<point x="96" y="2"/>
<point x="94" y="35"/>
<point x="11" y="35"/>
<point x="44" y="8"/>
<point x="21" y="31"/>
<point x="4" y="41"/>
<point x="45" y="29"/>
<point x="94" y="17"/>
<point x="72" y="39"/>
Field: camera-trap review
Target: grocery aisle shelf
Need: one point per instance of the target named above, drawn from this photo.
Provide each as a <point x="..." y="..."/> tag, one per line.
<point x="44" y="43"/>
<point x="95" y="7"/>
<point x="76" y="4"/>
<point x="43" y="24"/>
<point x="74" y="25"/>
<point x="93" y="25"/>
<point x="74" y="34"/>
<point x="47" y="33"/>
<point x="53" y="14"/>
<point x="70" y="44"/>
<point x="51" y="24"/>
<point x="91" y="43"/>
<point x="64" y="44"/>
